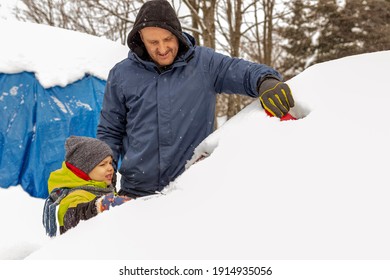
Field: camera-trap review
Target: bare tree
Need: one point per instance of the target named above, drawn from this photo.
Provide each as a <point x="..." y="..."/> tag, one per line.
<point x="203" y="20"/>
<point x="234" y="21"/>
<point x="109" y="18"/>
<point x="268" y="8"/>
<point x="230" y="16"/>
<point x="249" y="33"/>
<point x="260" y="42"/>
<point x="203" y="23"/>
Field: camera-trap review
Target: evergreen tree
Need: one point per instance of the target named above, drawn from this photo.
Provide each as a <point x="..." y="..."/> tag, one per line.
<point x="336" y="39"/>
<point x="298" y="33"/>
<point x="371" y="24"/>
<point x="359" y="26"/>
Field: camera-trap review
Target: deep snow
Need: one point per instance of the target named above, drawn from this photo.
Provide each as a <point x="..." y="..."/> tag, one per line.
<point x="316" y="188"/>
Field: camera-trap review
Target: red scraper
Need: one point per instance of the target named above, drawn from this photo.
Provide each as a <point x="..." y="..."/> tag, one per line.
<point x="286" y="117"/>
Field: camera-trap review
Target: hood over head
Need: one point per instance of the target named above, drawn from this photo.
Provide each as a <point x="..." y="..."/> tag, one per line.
<point x="155" y="13"/>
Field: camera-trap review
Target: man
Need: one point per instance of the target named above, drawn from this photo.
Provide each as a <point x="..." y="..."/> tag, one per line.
<point x="159" y="102"/>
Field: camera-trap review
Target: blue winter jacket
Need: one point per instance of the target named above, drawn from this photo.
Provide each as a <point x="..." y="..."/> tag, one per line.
<point x="153" y="121"/>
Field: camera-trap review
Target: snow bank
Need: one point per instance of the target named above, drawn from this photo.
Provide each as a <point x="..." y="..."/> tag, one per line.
<point x="308" y="189"/>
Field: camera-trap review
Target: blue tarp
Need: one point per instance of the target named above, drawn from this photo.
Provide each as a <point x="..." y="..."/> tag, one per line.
<point x="35" y="122"/>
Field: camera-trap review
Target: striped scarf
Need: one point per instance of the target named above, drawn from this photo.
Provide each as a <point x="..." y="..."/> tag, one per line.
<point x="49" y="210"/>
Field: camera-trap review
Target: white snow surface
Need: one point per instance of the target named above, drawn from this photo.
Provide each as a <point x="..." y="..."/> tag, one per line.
<point x="57" y="56"/>
<point x="316" y="188"/>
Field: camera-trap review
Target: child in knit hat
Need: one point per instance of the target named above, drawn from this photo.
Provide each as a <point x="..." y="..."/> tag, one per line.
<point x="82" y="187"/>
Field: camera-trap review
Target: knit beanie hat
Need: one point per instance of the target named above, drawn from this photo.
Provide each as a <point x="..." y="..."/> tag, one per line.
<point x="85" y="152"/>
<point x="155" y="13"/>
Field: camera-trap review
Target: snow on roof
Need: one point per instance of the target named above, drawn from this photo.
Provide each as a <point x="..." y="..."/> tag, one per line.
<point x="57" y="56"/>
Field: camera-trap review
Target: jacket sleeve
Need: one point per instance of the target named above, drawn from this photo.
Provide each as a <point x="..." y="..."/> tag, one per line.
<point x="78" y="205"/>
<point x="112" y="121"/>
<point x="83" y="211"/>
<point x="235" y="75"/>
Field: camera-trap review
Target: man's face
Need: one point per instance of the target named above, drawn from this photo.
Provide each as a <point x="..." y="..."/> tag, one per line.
<point x="161" y="45"/>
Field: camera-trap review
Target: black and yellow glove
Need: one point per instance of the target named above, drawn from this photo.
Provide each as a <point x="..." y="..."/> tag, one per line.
<point x="275" y="97"/>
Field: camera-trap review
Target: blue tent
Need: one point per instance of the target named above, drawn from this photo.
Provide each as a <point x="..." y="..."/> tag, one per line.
<point x="34" y="123"/>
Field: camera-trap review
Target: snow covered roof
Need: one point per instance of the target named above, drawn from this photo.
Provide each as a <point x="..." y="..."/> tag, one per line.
<point x="57" y="56"/>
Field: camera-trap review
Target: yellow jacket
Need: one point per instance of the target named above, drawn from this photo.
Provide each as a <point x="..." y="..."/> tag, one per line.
<point x="78" y="204"/>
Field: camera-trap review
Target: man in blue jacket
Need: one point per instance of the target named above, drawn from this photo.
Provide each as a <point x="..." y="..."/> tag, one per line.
<point x="159" y="102"/>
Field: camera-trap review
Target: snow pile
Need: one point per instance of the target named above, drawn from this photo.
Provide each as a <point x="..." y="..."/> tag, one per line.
<point x="21" y="219"/>
<point x="308" y="189"/>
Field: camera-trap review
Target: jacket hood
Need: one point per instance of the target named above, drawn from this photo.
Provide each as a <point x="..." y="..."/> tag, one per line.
<point x="155" y="13"/>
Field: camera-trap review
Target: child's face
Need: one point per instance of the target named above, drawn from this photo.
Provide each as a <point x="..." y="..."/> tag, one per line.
<point x="103" y="171"/>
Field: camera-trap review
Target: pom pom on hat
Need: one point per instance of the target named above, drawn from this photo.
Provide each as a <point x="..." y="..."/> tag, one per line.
<point x="86" y="152"/>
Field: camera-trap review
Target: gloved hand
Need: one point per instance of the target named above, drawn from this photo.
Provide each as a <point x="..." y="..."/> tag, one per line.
<point x="275" y="97"/>
<point x="104" y="202"/>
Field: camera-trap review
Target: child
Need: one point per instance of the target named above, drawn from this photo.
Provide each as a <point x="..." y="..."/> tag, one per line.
<point x="82" y="187"/>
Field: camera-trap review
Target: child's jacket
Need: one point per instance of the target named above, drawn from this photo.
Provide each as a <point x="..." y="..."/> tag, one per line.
<point x="70" y="200"/>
